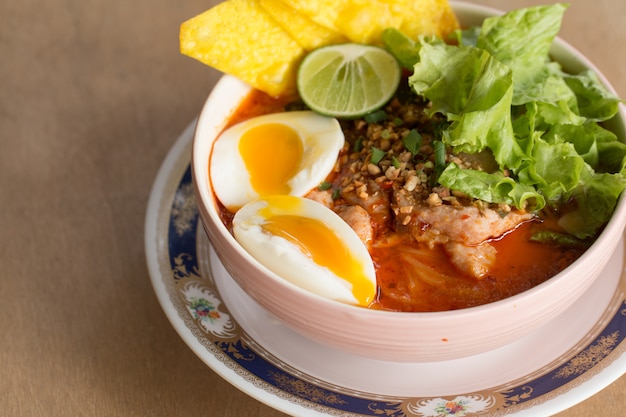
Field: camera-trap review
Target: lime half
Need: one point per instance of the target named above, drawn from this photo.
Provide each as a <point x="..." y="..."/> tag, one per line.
<point x="348" y="80"/>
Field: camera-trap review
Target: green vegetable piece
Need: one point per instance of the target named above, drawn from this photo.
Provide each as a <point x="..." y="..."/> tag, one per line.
<point x="325" y="186"/>
<point x="401" y="46"/>
<point x="521" y="39"/>
<point x="358" y="144"/>
<point x="468" y="37"/>
<point x="596" y="199"/>
<point x="491" y="187"/>
<point x="375" y="117"/>
<point x="413" y="141"/>
<point x="556" y="169"/>
<point x="595" y="102"/>
<point x="439" y="149"/>
<point x="377" y="155"/>
<point x="498" y="91"/>
<point x="556" y="238"/>
<point x="474" y="91"/>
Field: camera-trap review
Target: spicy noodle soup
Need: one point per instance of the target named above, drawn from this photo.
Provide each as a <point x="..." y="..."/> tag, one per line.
<point x="433" y="249"/>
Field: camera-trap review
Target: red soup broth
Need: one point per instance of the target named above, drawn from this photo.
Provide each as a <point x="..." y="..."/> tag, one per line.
<point x="520" y="263"/>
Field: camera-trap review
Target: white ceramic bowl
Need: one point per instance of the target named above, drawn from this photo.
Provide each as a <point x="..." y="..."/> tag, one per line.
<point x="394" y="336"/>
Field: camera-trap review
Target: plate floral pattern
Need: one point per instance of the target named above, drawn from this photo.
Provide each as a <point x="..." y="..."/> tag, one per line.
<point x="199" y="306"/>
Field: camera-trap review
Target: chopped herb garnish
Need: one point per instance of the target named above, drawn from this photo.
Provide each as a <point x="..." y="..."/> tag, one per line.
<point x="398" y="121"/>
<point x="440" y="128"/>
<point x="375" y="117"/>
<point x="413" y="141"/>
<point x="385" y="134"/>
<point x="377" y="155"/>
<point x="336" y="193"/>
<point x="358" y="144"/>
<point x="325" y="186"/>
<point x="440" y="157"/>
<point x="395" y="162"/>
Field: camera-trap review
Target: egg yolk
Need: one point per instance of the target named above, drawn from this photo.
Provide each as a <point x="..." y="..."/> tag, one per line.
<point x="325" y="247"/>
<point x="271" y="153"/>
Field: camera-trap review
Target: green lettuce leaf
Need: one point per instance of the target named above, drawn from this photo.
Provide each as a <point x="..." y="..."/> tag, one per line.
<point x="555" y="169"/>
<point x="598" y="146"/>
<point x="555" y="101"/>
<point x="612" y="156"/>
<point x="491" y="187"/>
<point x="468" y="37"/>
<point x="405" y="49"/>
<point x="499" y="92"/>
<point x="473" y="90"/>
<point x="596" y="198"/>
<point x="594" y="101"/>
<point x="521" y="39"/>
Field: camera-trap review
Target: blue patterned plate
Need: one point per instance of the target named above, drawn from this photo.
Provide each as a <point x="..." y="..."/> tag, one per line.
<point x="568" y="360"/>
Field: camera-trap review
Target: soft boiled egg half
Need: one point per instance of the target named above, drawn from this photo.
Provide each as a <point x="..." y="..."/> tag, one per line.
<point x="309" y="245"/>
<point x="280" y="153"/>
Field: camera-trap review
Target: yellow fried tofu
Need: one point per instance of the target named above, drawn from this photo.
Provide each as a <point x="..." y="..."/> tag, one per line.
<point x="240" y="38"/>
<point x="306" y="32"/>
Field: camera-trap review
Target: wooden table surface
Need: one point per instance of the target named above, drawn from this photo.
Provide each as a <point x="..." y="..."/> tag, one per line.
<point x="93" y="95"/>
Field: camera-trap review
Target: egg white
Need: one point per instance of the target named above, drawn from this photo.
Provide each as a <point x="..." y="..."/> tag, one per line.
<point x="287" y="261"/>
<point x="321" y="137"/>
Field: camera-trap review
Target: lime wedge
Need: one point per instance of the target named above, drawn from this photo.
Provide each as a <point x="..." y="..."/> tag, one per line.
<point x="348" y="80"/>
